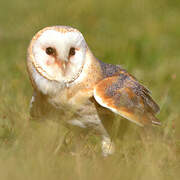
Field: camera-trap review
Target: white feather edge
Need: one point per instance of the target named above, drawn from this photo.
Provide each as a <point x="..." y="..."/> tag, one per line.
<point x="102" y="103"/>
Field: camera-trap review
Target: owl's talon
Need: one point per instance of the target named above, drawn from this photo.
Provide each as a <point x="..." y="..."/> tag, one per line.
<point x="108" y="147"/>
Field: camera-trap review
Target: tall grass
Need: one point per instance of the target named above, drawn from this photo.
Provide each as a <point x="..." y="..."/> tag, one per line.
<point x="143" y="36"/>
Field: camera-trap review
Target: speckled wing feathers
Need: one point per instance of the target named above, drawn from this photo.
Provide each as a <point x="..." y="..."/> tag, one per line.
<point x="123" y="94"/>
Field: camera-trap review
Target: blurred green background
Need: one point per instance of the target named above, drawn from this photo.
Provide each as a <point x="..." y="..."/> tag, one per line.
<point x="141" y="35"/>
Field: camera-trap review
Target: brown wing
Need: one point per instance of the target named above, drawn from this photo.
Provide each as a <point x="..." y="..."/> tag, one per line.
<point x="123" y="95"/>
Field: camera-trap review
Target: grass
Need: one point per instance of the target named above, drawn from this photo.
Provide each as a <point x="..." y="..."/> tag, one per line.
<point x="143" y="36"/>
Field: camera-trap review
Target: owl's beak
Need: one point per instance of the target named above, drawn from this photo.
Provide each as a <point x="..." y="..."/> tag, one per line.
<point x="61" y="63"/>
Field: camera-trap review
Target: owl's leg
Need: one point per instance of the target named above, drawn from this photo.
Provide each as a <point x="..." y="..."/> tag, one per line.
<point x="107" y="145"/>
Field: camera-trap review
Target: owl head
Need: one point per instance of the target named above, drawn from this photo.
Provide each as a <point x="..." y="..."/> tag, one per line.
<point x="56" y="54"/>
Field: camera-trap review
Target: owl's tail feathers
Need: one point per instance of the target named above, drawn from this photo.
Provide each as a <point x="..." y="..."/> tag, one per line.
<point x="155" y="121"/>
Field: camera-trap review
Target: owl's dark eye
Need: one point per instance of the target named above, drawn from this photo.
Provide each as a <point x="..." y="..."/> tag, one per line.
<point x="72" y="51"/>
<point x="50" y="51"/>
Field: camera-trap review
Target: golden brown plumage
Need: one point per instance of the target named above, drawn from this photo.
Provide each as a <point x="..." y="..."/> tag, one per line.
<point x="124" y="95"/>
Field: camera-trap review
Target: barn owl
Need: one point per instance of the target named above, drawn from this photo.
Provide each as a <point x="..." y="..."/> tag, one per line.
<point x="70" y="81"/>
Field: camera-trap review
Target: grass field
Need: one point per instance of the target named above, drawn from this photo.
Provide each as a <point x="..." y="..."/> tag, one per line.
<point x="142" y="36"/>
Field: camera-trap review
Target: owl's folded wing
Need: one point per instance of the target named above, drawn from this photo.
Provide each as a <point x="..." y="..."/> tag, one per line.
<point x="123" y="95"/>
